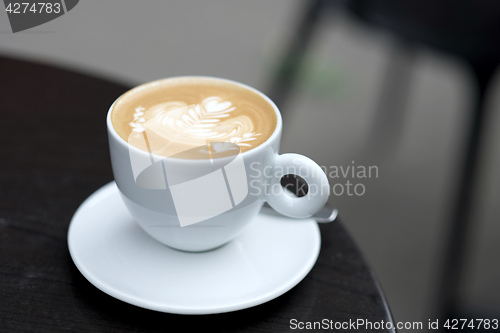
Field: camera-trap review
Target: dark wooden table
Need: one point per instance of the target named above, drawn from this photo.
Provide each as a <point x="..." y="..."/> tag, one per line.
<point x="54" y="154"/>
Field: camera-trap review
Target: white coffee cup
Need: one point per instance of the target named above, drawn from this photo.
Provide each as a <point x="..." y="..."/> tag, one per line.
<point x="206" y="203"/>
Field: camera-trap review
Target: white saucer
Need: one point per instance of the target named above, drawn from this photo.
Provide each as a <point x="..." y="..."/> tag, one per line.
<point x="271" y="256"/>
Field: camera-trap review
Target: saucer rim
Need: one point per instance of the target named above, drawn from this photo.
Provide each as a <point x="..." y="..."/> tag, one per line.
<point x="183" y="310"/>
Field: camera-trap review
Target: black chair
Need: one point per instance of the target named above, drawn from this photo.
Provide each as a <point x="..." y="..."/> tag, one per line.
<point x="465" y="29"/>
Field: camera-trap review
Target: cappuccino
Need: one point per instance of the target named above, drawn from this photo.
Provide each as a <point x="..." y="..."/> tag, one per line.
<point x="193" y="117"/>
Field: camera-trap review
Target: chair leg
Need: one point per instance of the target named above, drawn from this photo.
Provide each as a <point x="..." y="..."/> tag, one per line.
<point x="297" y="49"/>
<point x="390" y="111"/>
<point x="452" y="268"/>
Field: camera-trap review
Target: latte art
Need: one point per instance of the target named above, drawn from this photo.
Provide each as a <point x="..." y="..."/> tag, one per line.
<point x="177" y="115"/>
<point x="209" y="121"/>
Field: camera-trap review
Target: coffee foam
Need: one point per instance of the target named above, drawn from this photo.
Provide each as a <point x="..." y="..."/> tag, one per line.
<point x="173" y="116"/>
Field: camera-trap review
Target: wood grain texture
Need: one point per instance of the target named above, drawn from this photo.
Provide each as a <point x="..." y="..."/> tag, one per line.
<point x="54" y="154"/>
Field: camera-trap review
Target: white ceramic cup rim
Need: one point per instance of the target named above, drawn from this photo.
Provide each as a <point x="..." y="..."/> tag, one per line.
<point x="256" y="150"/>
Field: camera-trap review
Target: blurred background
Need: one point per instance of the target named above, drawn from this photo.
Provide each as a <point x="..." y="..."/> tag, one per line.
<point x="360" y="86"/>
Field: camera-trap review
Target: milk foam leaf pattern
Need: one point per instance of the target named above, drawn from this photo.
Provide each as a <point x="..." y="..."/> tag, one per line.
<point x="209" y="121"/>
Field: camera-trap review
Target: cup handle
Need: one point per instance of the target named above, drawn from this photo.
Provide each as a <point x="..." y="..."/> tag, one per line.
<point x="290" y="205"/>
